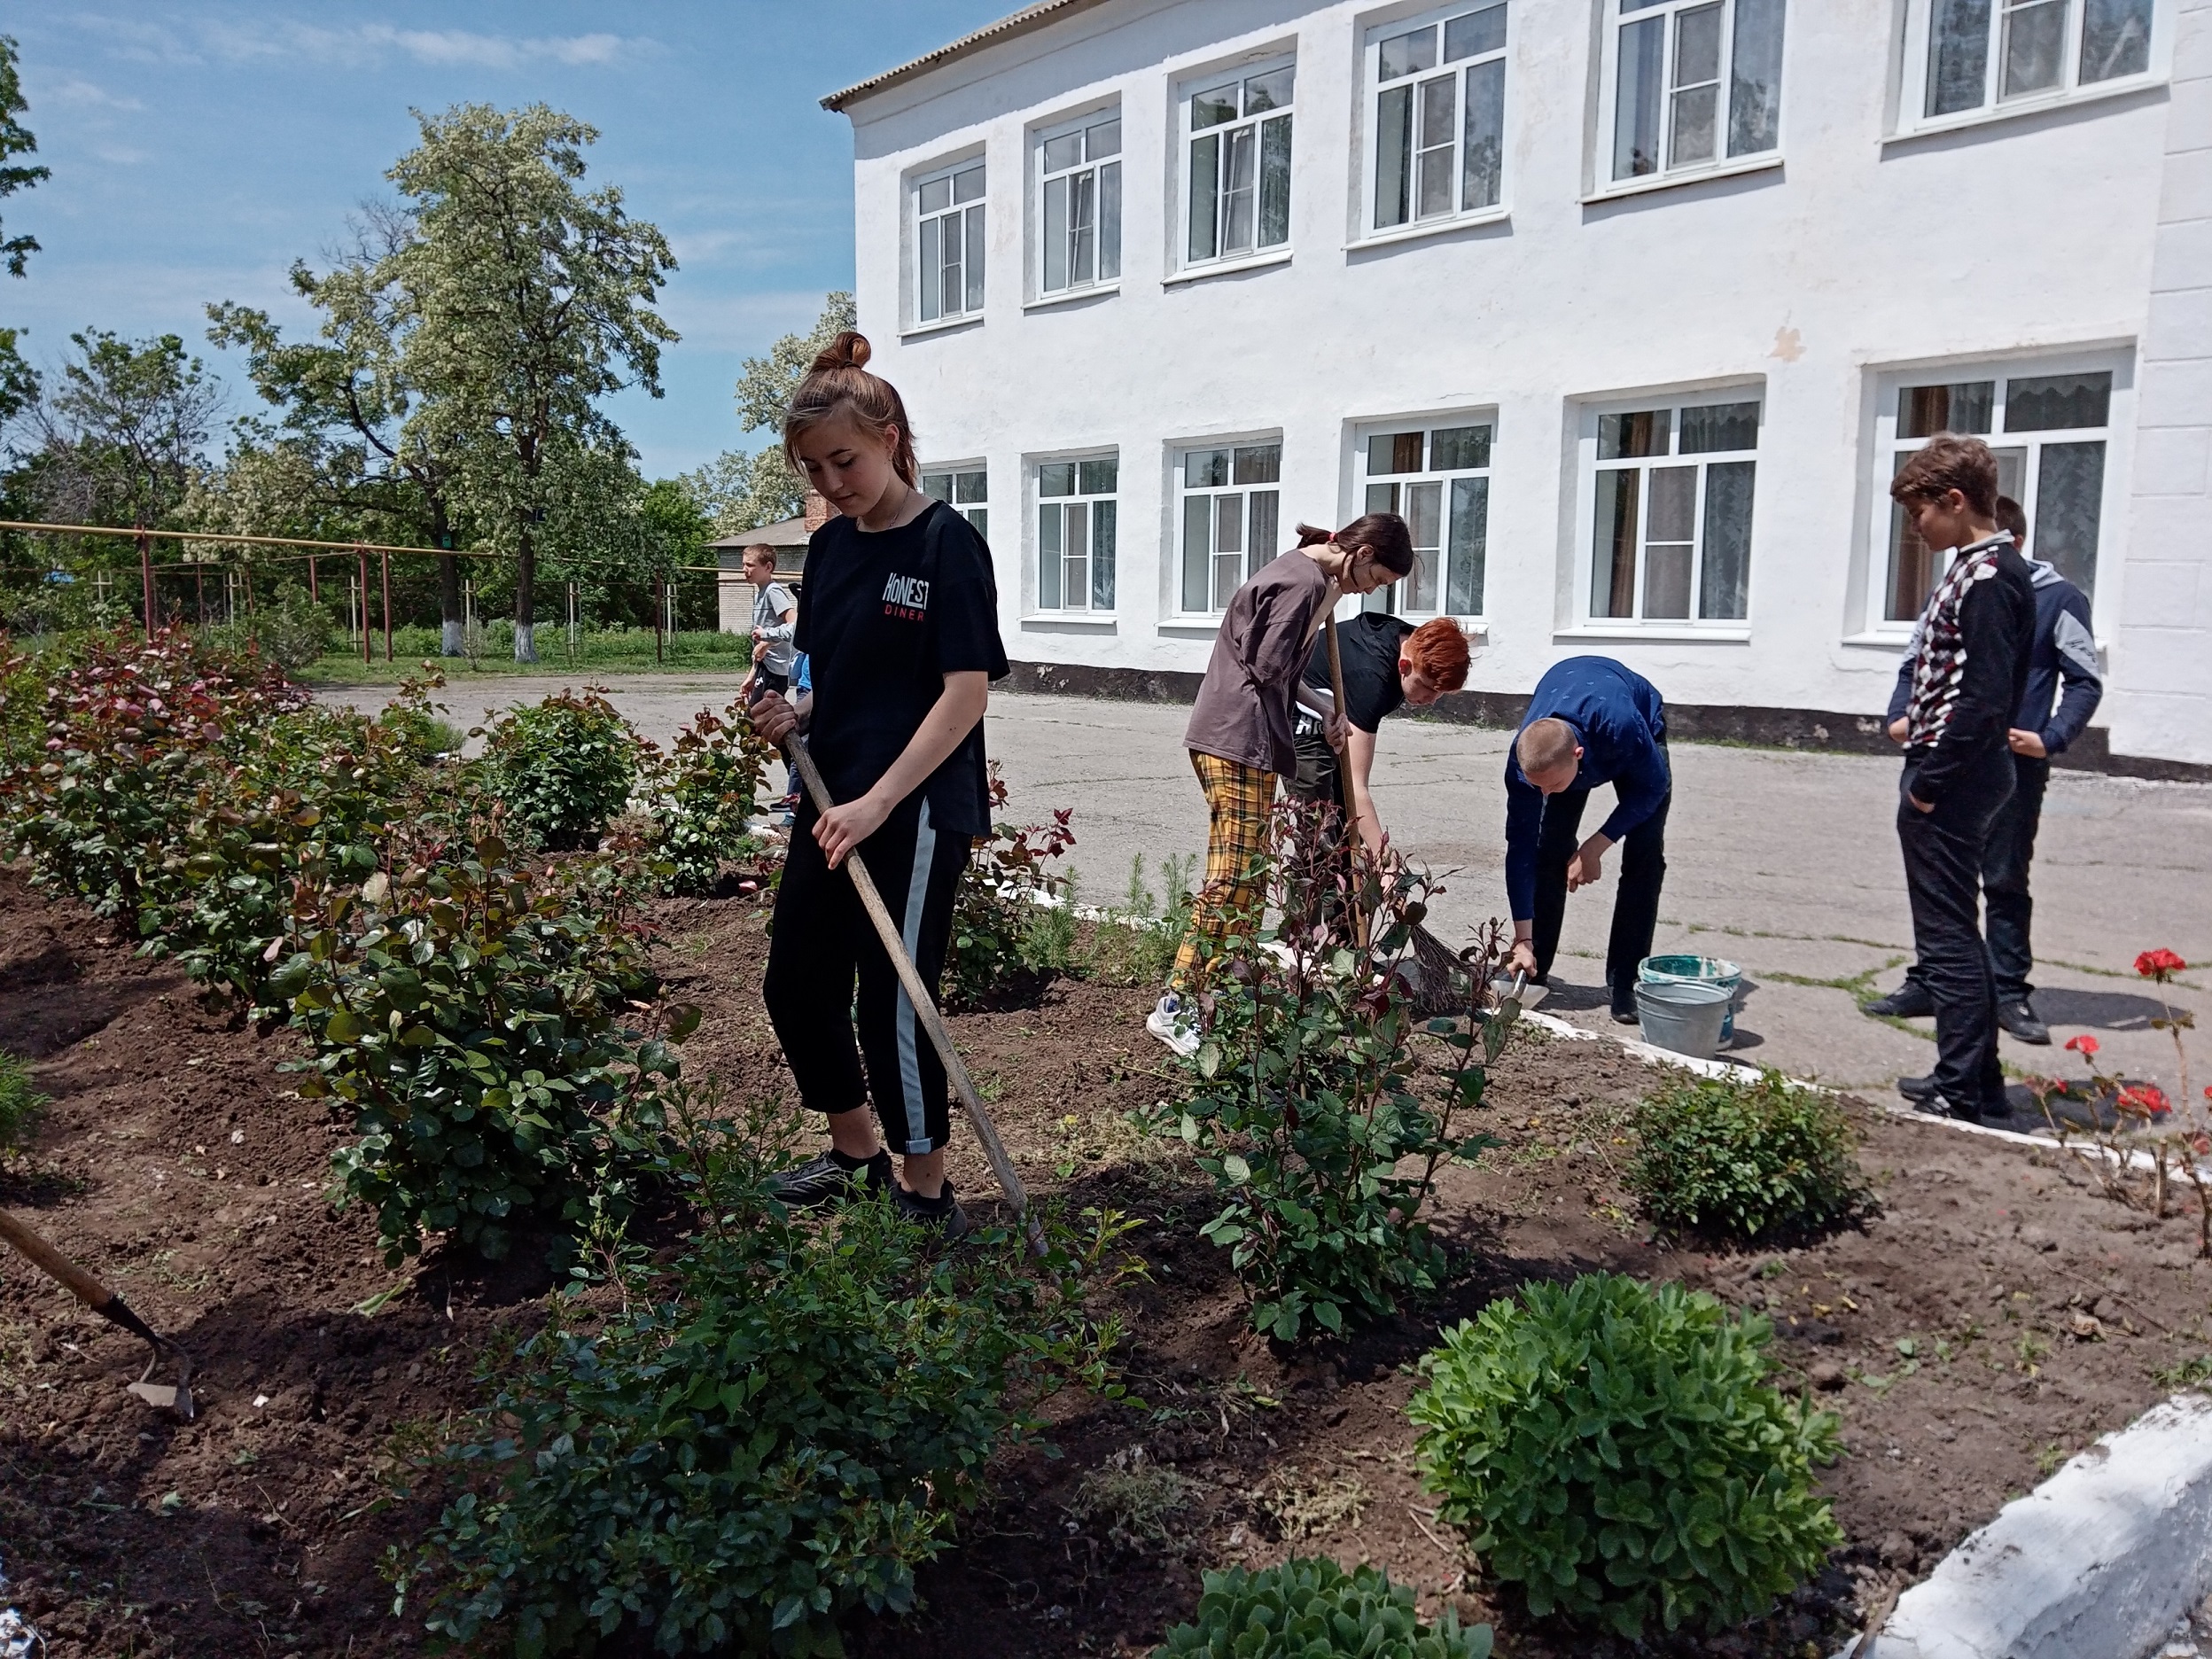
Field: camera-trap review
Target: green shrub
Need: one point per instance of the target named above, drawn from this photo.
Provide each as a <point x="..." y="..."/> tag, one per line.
<point x="19" y="1104"/>
<point x="563" y="766"/>
<point x="995" y="949"/>
<point x="292" y="633"/>
<point x="1133" y="943"/>
<point x="1615" y="1451"/>
<point x="772" y="1431"/>
<point x="1743" y="1159"/>
<point x="1314" y="1609"/>
<point x="1306" y="1109"/>
<point x="703" y="799"/>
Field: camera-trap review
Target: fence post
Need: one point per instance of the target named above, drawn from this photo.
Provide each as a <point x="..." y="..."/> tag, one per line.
<point x="199" y="590"/>
<point x="361" y="555"/>
<point x="315" y="589"/>
<point x="571" y="622"/>
<point x="146" y="575"/>
<point x="386" y="556"/>
<point x="658" y="618"/>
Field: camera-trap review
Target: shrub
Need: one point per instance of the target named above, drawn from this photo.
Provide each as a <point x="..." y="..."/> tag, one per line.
<point x="773" y="1431"/>
<point x="472" y="1015"/>
<point x="1314" y="1609"/>
<point x="994" y="938"/>
<point x="19" y="1104"/>
<point x="1306" y="1103"/>
<point x="293" y="632"/>
<point x="1133" y="943"/>
<point x="563" y="766"/>
<point x="703" y="799"/>
<point x="1615" y="1450"/>
<point x="1743" y="1159"/>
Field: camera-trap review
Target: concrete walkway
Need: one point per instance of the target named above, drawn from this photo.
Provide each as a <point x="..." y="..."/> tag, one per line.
<point x="1786" y="863"/>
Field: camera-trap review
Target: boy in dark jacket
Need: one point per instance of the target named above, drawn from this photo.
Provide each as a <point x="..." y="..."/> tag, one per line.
<point x="1969" y="676"/>
<point x="2061" y="671"/>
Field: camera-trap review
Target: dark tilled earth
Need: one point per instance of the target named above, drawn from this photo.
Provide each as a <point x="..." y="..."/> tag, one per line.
<point x="1996" y="1315"/>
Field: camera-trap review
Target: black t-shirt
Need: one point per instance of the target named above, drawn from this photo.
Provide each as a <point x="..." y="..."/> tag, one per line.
<point x="1369" y="644"/>
<point x="883" y="618"/>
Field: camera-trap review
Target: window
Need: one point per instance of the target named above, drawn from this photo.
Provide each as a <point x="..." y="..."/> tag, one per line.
<point x="1079" y="207"/>
<point x="1230" y="501"/>
<point x="1238" y="132"/>
<point x="1695" y="83"/>
<point x="1967" y="56"/>
<point x="1437" y="105"/>
<point x="1670" y="536"/>
<point x="1438" y="480"/>
<point x="1075" y="535"/>
<point x="2049" y="432"/>
<point x="948" y="244"/>
<point x="966" y="488"/>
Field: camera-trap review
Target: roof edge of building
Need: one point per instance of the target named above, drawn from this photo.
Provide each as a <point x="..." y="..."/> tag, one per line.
<point x="1023" y="22"/>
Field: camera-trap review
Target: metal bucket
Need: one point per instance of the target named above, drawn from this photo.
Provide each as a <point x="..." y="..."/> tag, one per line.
<point x="1684" y="1015"/>
<point x="1695" y="970"/>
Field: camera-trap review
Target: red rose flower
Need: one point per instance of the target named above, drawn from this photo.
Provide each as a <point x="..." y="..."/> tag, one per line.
<point x="2159" y="965"/>
<point x="2083" y="1044"/>
<point x="2146" y="1100"/>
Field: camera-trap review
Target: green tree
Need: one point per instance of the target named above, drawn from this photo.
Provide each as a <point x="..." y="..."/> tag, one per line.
<point x="740" y="491"/>
<point x="19" y="385"/>
<point x="121" y="437"/>
<point x="521" y="300"/>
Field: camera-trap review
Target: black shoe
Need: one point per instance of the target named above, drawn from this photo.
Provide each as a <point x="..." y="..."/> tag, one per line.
<point x="1909" y="1001"/>
<point x="1918" y="1089"/>
<point x="1941" y="1106"/>
<point x="2020" y="1019"/>
<point x="1625" y="1014"/>
<point x="832" y="1178"/>
<point x="942" y="1214"/>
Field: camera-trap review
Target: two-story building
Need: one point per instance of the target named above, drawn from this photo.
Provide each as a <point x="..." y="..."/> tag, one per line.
<point x="1630" y="307"/>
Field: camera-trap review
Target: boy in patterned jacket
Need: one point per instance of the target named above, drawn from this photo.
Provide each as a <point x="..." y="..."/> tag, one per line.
<point x="1969" y="674"/>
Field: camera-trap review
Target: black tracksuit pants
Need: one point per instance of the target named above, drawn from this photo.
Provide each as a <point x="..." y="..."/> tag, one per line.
<point x="823" y="941"/>
<point x="2006" y="901"/>
<point x="1635" y="906"/>
<point x="1943" y="852"/>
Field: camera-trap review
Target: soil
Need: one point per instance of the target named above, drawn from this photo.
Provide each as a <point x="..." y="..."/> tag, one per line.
<point x="1997" y="1313"/>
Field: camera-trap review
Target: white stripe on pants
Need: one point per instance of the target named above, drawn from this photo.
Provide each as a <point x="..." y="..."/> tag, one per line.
<point x="909" y="1056"/>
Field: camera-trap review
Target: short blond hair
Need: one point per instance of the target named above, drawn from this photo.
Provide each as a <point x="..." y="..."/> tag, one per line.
<point x="761" y="551"/>
<point x="1545" y="745"/>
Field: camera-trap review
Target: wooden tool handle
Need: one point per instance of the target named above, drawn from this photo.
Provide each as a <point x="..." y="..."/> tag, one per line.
<point x="918" y="995"/>
<point x="54" y="1265"/>
<point x="1352" y="824"/>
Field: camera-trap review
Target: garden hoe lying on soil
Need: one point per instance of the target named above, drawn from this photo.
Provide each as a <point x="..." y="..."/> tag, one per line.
<point x="924" y="1004"/>
<point x="162" y="1396"/>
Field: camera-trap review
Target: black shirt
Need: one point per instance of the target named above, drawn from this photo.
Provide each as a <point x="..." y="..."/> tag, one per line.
<point x="885" y="616"/>
<point x="1369" y="644"/>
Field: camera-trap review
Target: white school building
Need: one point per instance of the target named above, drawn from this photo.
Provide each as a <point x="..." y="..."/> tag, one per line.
<point x="1630" y="307"/>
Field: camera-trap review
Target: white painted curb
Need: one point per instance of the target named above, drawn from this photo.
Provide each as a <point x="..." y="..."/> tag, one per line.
<point x="17" y="1636"/>
<point x="2097" y="1563"/>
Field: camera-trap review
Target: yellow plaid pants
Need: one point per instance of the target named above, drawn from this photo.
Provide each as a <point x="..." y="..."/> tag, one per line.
<point x="1238" y="801"/>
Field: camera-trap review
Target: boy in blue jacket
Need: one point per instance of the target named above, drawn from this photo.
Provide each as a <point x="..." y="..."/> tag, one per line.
<point x="1590" y="721"/>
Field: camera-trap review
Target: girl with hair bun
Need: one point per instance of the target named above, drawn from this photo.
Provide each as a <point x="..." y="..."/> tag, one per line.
<point x="899" y="625"/>
<point x="1240" y="732"/>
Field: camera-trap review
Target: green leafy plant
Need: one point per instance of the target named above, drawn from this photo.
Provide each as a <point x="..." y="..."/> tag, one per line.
<point x="1314" y="1609"/>
<point x="990" y="958"/>
<point x="703" y="796"/>
<point x="564" y="766"/>
<point x="773" y="1430"/>
<point x="1615" y="1450"/>
<point x="1745" y="1160"/>
<point x="292" y="633"/>
<point x="19" y="1104"/>
<point x="1134" y="942"/>
<point x="1306" y="1105"/>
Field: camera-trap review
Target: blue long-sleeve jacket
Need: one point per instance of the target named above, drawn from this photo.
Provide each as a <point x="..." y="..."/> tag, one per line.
<point x="1619" y="719"/>
<point x="2064" y="686"/>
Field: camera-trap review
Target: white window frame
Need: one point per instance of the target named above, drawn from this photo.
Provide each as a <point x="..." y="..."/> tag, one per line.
<point x="1450" y="477"/>
<point x="1052" y="519"/>
<point x="1915" y="67"/>
<point x="1457" y="72"/>
<point x="1107" y="200"/>
<point x="971" y="486"/>
<point x="2022" y="480"/>
<point x="1260" y="534"/>
<point x="1583" y="563"/>
<point x="1188" y="139"/>
<point x="925" y="231"/>
<point x="1618" y="17"/>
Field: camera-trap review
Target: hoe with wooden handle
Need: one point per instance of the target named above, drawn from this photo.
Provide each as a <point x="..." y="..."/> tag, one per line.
<point x="165" y="1397"/>
<point x="924" y="1004"/>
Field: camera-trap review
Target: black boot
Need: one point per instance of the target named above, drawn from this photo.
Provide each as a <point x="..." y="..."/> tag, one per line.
<point x="1909" y="1001"/>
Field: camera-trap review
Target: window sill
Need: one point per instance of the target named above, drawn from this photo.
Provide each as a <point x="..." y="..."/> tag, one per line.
<point x="1733" y="634"/>
<point x="1066" y="621"/>
<point x="1226" y="267"/>
<point x="1676" y="180"/>
<point x="1192" y="627"/>
<point x="1430" y="228"/>
<point x="1989" y="114"/>
<point x="941" y="326"/>
<point x="1894" y="638"/>
<point x="1073" y="296"/>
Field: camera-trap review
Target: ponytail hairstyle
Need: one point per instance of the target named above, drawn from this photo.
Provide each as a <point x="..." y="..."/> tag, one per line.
<point x="1383" y="535"/>
<point x="838" y="383"/>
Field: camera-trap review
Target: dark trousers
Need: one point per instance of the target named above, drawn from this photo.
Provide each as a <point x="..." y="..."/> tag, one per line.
<point x="1635" y="906"/>
<point x="1943" y="850"/>
<point x="2008" y="906"/>
<point x="823" y="939"/>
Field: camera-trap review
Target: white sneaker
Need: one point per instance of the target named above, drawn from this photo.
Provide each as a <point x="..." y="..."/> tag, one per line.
<point x="1172" y="1027"/>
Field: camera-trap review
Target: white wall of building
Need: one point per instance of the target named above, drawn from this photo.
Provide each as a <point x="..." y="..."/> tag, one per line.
<point x="1858" y="255"/>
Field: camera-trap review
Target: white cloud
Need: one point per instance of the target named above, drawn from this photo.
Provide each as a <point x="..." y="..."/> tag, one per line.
<point x="76" y="92"/>
<point x="241" y="41"/>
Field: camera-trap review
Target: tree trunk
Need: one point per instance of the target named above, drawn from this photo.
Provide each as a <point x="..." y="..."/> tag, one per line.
<point x="450" y="642"/>
<point x="525" y="597"/>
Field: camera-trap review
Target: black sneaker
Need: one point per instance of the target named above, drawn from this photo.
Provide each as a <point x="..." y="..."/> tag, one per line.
<point x="2020" y="1019"/>
<point x="942" y="1214"/>
<point x="1942" y="1106"/>
<point x="1625" y="1013"/>
<point x="1917" y="1089"/>
<point x="1909" y="1001"/>
<point x="832" y="1178"/>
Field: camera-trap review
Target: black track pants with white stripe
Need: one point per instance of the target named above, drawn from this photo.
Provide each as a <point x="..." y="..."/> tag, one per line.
<point x="823" y="941"/>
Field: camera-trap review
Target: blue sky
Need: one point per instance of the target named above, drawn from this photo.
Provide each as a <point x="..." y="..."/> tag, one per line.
<point x="198" y="149"/>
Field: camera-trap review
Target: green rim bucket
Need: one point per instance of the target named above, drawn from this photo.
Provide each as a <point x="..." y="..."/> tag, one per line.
<point x="1695" y="971"/>
<point x="1684" y="1015"/>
